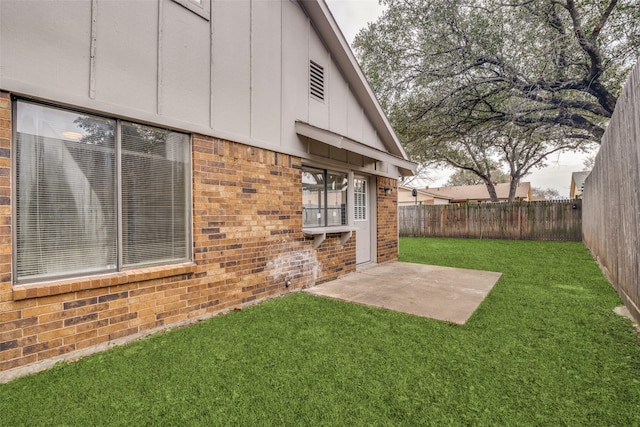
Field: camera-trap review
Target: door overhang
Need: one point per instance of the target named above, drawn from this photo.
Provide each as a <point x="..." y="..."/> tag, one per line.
<point x="406" y="167"/>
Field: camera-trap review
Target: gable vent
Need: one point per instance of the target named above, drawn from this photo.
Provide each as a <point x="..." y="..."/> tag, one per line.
<point x="316" y="80"/>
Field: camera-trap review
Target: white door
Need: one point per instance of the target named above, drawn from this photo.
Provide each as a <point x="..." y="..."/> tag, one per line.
<point x="362" y="218"/>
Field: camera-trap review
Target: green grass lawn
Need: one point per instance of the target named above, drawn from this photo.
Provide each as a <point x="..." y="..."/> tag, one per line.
<point x="544" y="348"/>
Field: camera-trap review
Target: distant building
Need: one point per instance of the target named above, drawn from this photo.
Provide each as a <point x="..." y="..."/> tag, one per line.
<point x="480" y="194"/>
<point x="577" y="184"/>
<point x="422" y="197"/>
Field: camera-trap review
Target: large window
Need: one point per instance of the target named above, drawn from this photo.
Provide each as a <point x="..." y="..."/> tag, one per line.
<point x="95" y="194"/>
<point x="324" y="197"/>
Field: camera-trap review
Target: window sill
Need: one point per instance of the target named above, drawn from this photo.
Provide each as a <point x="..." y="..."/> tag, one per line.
<point x="44" y="289"/>
<point x="319" y="234"/>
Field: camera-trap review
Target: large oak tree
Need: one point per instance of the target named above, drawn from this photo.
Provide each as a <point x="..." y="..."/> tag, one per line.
<point x="513" y="80"/>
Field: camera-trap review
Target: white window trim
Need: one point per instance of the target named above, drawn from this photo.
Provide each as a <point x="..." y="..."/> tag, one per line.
<point x="326" y="170"/>
<point x="319" y="233"/>
<point x="366" y="201"/>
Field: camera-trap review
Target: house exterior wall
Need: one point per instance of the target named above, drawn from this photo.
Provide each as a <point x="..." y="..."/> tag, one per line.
<point x="405" y="198"/>
<point x="242" y="74"/>
<point x="236" y="81"/>
<point x="247" y="244"/>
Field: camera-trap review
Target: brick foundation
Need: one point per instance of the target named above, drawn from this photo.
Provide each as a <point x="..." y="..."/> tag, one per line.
<point x="247" y="243"/>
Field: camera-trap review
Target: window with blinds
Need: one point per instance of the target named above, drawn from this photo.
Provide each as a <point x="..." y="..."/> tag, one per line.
<point x="95" y="194"/>
<point x="360" y="199"/>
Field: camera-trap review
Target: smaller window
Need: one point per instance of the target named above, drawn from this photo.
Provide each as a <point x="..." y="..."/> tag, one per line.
<point x="324" y="198"/>
<point x="360" y="199"/>
<point x="316" y="80"/>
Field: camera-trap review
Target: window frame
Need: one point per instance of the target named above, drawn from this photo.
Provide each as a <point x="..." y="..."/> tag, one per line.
<point x="364" y="197"/>
<point x="325" y="207"/>
<point x="118" y="206"/>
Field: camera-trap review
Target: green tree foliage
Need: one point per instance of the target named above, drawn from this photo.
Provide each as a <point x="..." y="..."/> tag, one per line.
<point x="515" y="80"/>
<point x="135" y="137"/>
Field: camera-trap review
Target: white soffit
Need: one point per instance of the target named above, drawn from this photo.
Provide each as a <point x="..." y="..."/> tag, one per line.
<point x="336" y="140"/>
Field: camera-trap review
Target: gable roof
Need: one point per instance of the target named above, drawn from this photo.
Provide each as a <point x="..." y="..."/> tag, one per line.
<point x="200" y="82"/>
<point x="329" y="31"/>
<point x="577" y="183"/>
<point x="578" y="178"/>
<point x="462" y="193"/>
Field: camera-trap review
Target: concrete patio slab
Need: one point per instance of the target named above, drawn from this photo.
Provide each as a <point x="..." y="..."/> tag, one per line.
<point x="441" y="293"/>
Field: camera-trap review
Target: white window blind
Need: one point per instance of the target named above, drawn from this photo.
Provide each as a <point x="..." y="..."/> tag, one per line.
<point x="67" y="181"/>
<point x="65" y="192"/>
<point x="154" y="221"/>
<point x="360" y="199"/>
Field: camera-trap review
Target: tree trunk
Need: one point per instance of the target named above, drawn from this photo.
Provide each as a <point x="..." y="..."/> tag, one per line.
<point x="492" y="190"/>
<point x="513" y="186"/>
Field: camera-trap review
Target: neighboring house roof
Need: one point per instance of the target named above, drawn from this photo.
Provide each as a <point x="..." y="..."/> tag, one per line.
<point x="463" y="193"/>
<point x="405" y="196"/>
<point x="577" y="183"/>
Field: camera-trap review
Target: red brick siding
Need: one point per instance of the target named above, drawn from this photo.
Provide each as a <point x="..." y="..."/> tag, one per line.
<point x="247" y="243"/>
<point x="387" y="215"/>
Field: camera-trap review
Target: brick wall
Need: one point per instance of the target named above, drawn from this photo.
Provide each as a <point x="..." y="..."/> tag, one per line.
<point x="387" y="214"/>
<point x="247" y="222"/>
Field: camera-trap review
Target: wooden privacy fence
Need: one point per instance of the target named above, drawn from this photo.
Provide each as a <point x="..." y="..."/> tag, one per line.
<point x="612" y="198"/>
<point x="543" y="220"/>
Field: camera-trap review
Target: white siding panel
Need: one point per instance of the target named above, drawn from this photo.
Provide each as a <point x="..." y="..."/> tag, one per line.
<point x="126" y="54"/>
<point x="232" y="66"/>
<point x="45" y="45"/>
<point x="319" y="110"/>
<point x="355" y="118"/>
<point x="295" y="72"/>
<point x="185" y="72"/>
<point x="338" y="94"/>
<point x="266" y="71"/>
<point x="370" y="137"/>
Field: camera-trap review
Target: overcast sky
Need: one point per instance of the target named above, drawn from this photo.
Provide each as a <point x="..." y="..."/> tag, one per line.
<point x="352" y="15"/>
